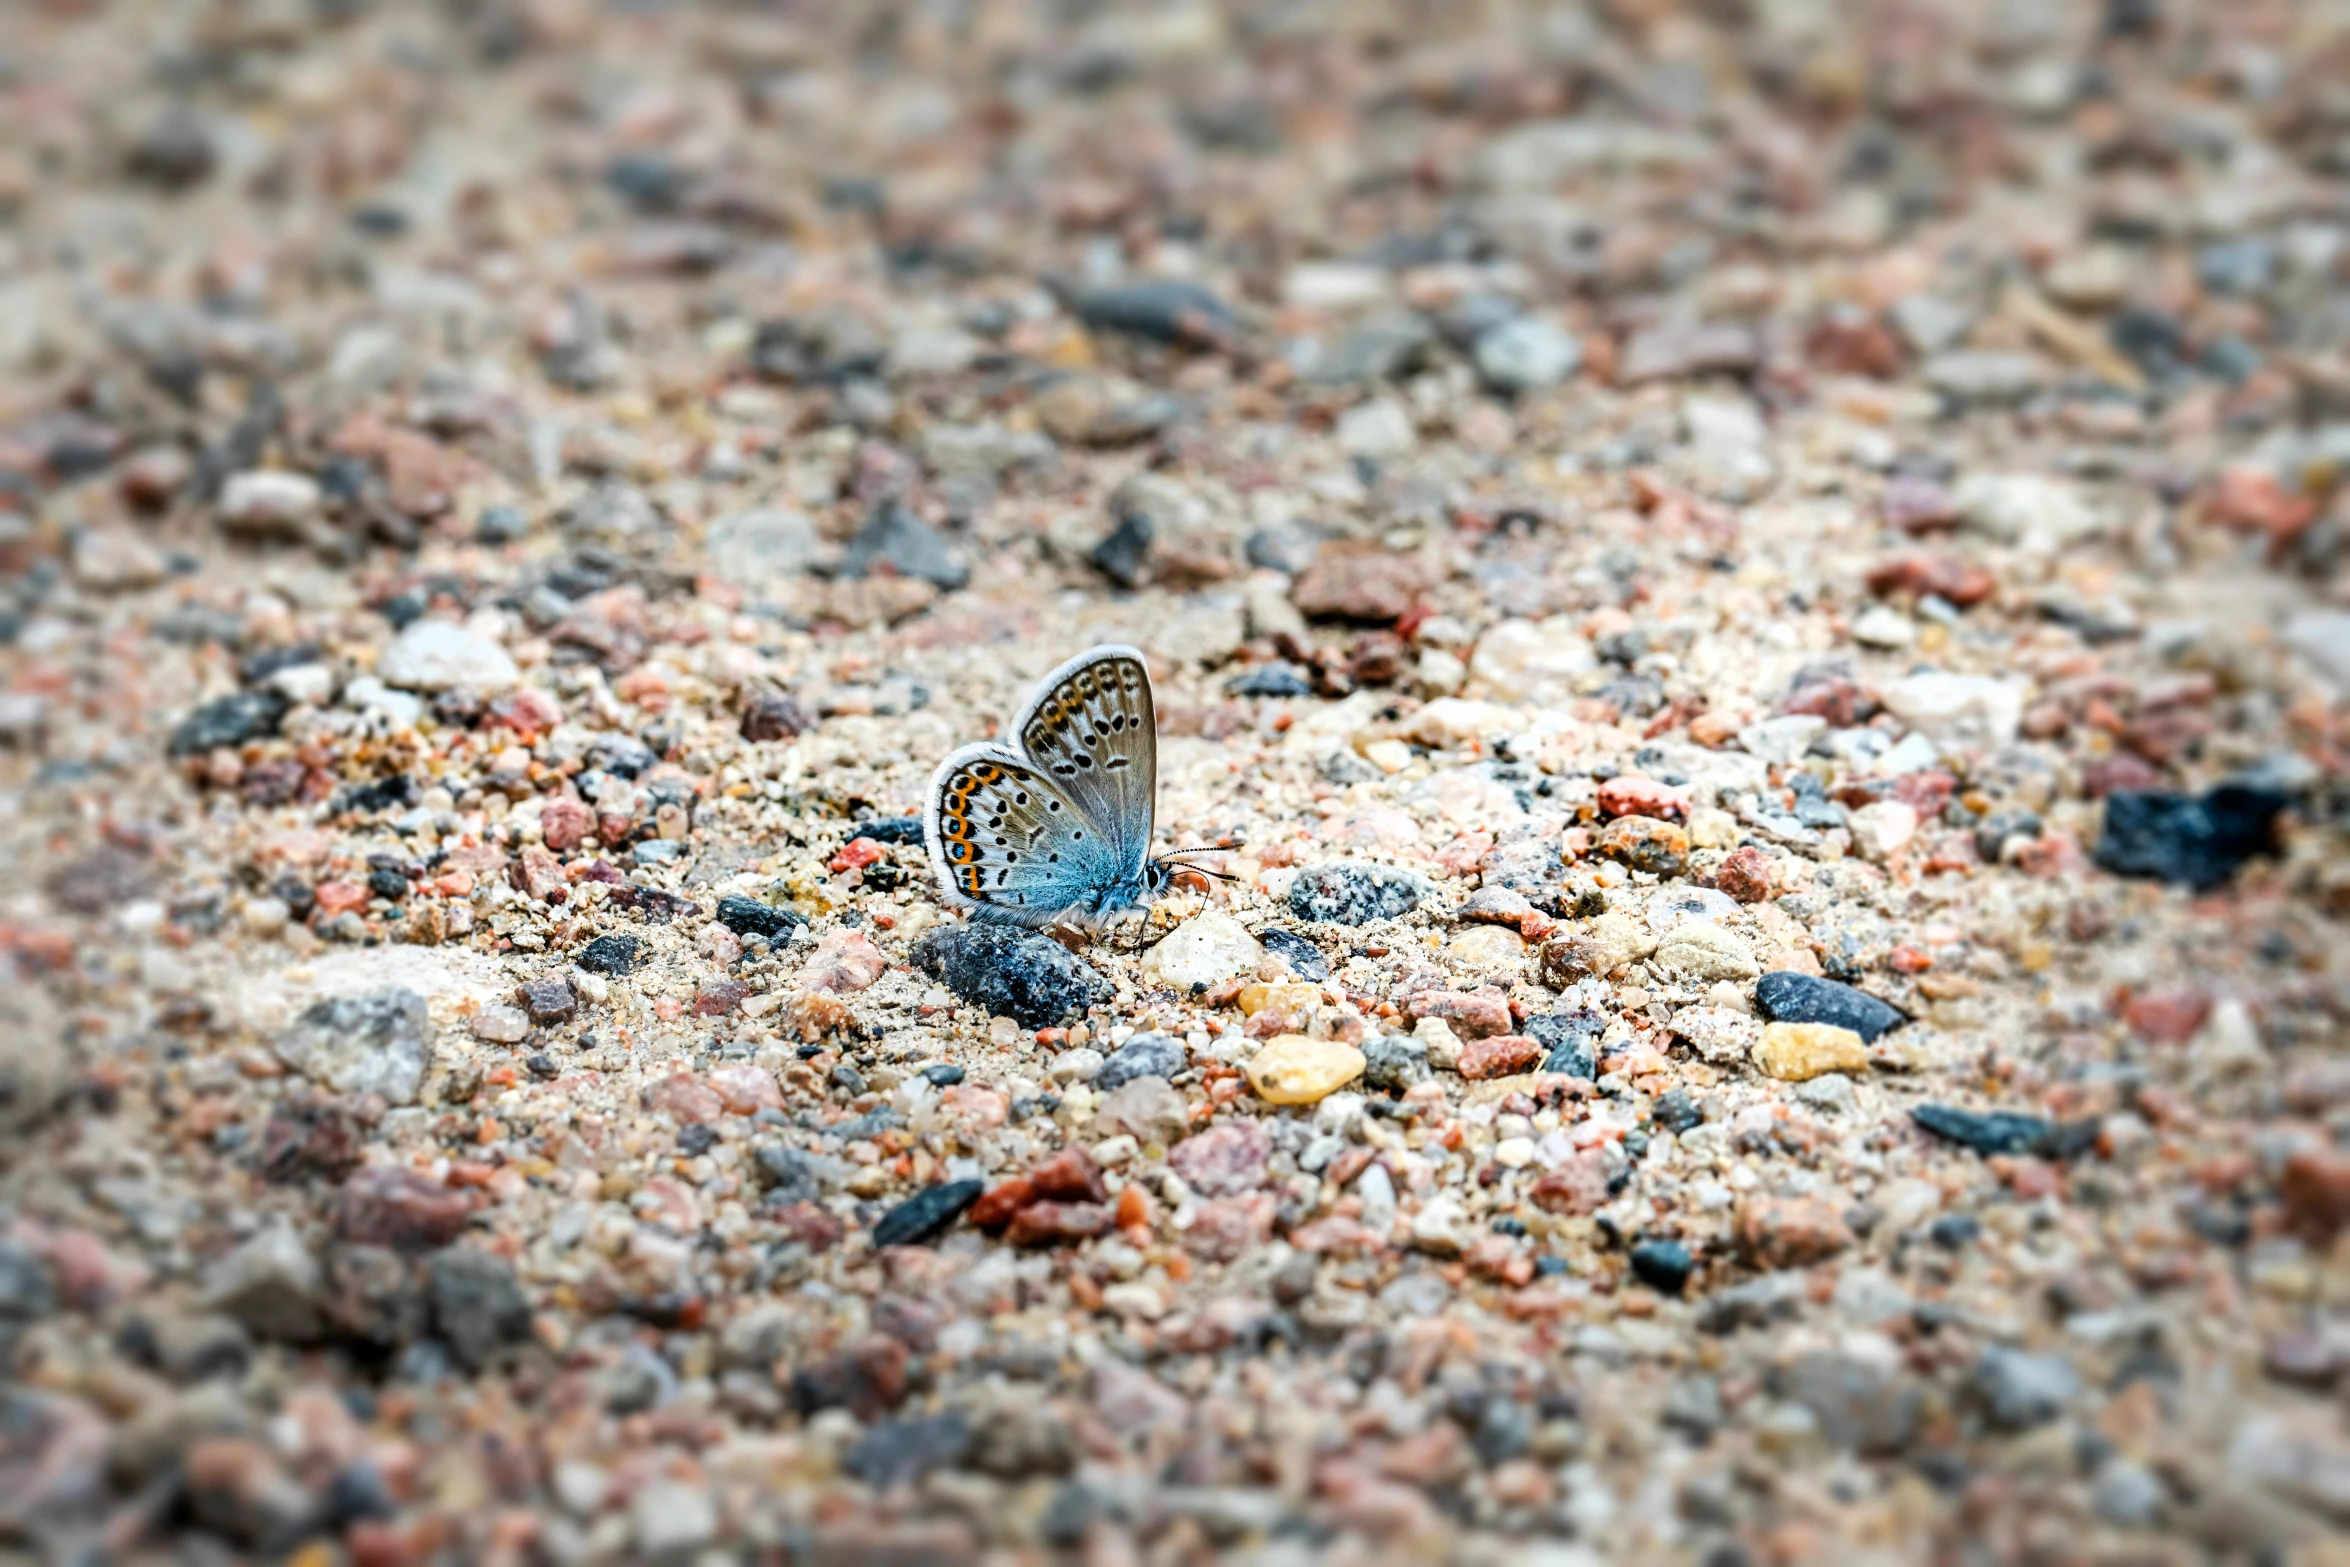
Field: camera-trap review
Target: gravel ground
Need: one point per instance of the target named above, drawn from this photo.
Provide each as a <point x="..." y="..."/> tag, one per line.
<point x="1757" y="593"/>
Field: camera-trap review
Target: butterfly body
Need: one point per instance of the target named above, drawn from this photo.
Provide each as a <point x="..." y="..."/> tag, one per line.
<point x="1056" y="830"/>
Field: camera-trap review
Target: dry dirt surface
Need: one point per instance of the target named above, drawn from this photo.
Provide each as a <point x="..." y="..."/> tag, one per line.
<point x="1750" y="596"/>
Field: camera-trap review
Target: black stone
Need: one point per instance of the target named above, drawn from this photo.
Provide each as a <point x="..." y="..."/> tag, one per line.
<point x="1350" y="892"/>
<point x="1572" y="1040"/>
<point x="749" y="917"/>
<point x="1119" y="556"/>
<point x="230" y="720"/>
<point x="476" y="1305"/>
<point x="624" y="756"/>
<point x="925" y="1216"/>
<point x="891" y="829"/>
<point x="1788" y="997"/>
<point x="1677" y="1110"/>
<point x="1165" y="310"/>
<point x="613" y="955"/>
<point x="1269" y="680"/>
<point x="1664" y="1266"/>
<point x="697" y="1138"/>
<point x="1304" y="959"/>
<point x="898" y="539"/>
<point x="1394" y="1062"/>
<point x="1954" y="1231"/>
<point x="943" y="1074"/>
<point x="1985" y="1131"/>
<point x="899" y="1452"/>
<point x="1031" y="979"/>
<point x="391" y="886"/>
<point x="1145" y="1055"/>
<point x="2188" y="840"/>
<point x="500" y="525"/>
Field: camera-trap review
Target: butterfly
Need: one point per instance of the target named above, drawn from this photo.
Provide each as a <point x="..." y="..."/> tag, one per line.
<point x="1057" y="830"/>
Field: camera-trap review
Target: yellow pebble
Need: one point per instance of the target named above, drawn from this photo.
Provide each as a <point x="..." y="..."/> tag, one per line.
<point x="1295" y="1070"/>
<point x="1287" y="997"/>
<point x="1797" y="1051"/>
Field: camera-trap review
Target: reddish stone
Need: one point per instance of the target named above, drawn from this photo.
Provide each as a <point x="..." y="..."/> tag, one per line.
<point x="1790" y="1232"/>
<point x="686" y="1099"/>
<point x="1352" y="580"/>
<point x="995" y="1207"/>
<point x="2251" y="500"/>
<point x="2316" y="1191"/>
<point x="1070" y="1176"/>
<point x="1230" y="1227"/>
<point x="1224" y="1160"/>
<point x="1051" y="1223"/>
<point x="1499" y="1057"/>
<point x="1477" y="1015"/>
<point x="339" y="897"/>
<point x="1925" y="793"/>
<point x="1745" y="875"/>
<point x="771" y="715"/>
<point x="537" y="874"/>
<point x="1632" y="795"/>
<point x="718" y="997"/>
<point x="1835" y="699"/>
<point x="746" y="1089"/>
<point x="1577" y="1186"/>
<point x="564" y="824"/>
<point x="843" y="962"/>
<point x="2121" y="772"/>
<point x="383" y="1206"/>
<point x="856" y="855"/>
<point x="1849" y="343"/>
<point x="1939" y="576"/>
<point x="1917" y="506"/>
<point x="2166" y="1017"/>
<point x="810" y="1225"/>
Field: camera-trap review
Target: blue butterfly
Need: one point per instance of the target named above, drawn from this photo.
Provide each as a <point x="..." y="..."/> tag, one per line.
<point x="1057" y="831"/>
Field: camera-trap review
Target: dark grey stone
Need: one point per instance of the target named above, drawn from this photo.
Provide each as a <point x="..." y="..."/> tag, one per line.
<point x="1349" y="892"/>
<point x="476" y="1304"/>
<point x="230" y="720"/>
<point x="2188" y="840"/>
<point x="897" y="538"/>
<point x="1145" y="1055"/>
<point x="1788" y="997"/>
<point x="1031" y="979"/>
<point x="925" y="1216"/>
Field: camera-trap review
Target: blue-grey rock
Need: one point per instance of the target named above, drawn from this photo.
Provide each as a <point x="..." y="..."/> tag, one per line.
<point x="899" y="1452"/>
<point x="749" y="917"/>
<point x="1788" y="997"/>
<point x="2021" y="1390"/>
<point x="1664" y="1266"/>
<point x="1392" y="1063"/>
<point x="925" y="1215"/>
<point x="1008" y="972"/>
<point x="894" y="536"/>
<point x="1572" y="1040"/>
<point x="1165" y="310"/>
<point x="1985" y="1131"/>
<point x="1349" y="892"/>
<point x="1280" y="679"/>
<point x="476" y="1304"/>
<point x="1145" y="1055"/>
<point x="1304" y="959"/>
<point x="230" y="720"/>
<point x="612" y="955"/>
<point x="2188" y="840"/>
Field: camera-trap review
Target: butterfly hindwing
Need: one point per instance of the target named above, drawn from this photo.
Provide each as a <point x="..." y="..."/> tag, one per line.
<point x="1005" y="839"/>
<point x="1093" y="728"/>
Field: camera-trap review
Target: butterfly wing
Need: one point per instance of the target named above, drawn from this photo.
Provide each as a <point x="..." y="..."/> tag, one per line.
<point x="1007" y="841"/>
<point x="1093" y="727"/>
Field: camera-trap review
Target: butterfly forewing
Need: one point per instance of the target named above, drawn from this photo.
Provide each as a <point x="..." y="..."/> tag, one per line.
<point x="1093" y="729"/>
<point x="1004" y="838"/>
